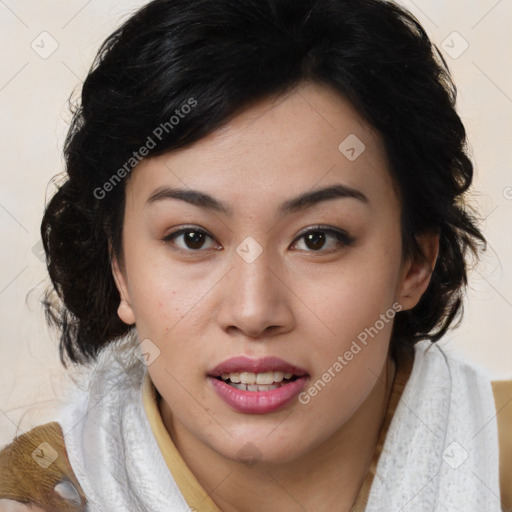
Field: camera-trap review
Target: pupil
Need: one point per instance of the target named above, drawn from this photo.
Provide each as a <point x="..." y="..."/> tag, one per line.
<point x="193" y="239"/>
<point x="318" y="239"/>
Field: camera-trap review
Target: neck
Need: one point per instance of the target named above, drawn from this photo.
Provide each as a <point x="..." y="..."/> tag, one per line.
<point x="327" y="478"/>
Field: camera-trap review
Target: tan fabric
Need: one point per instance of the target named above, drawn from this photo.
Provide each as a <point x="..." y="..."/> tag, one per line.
<point x="503" y="397"/>
<point x="31" y="467"/>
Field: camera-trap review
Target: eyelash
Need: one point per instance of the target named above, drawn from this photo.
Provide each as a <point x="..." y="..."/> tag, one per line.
<point x="342" y="237"/>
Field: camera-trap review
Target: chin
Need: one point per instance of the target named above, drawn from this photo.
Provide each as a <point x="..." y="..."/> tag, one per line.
<point x="262" y="446"/>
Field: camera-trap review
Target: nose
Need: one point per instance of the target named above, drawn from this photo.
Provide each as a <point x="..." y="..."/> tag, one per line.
<point x="256" y="298"/>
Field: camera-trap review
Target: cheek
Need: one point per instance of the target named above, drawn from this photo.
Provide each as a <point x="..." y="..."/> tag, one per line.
<point x="169" y="307"/>
<point x="358" y="291"/>
<point x="359" y="314"/>
<point x="356" y="306"/>
<point x="161" y="292"/>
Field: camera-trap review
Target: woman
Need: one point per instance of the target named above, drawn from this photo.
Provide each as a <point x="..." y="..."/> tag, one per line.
<point x="262" y="235"/>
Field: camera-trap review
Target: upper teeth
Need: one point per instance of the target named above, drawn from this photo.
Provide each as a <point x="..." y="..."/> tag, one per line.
<point x="256" y="378"/>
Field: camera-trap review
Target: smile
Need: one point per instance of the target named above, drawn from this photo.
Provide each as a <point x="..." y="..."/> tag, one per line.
<point x="257" y="386"/>
<point x="248" y="381"/>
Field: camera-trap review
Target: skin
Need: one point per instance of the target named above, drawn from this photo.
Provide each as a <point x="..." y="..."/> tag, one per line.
<point x="14" y="506"/>
<point x="304" y="303"/>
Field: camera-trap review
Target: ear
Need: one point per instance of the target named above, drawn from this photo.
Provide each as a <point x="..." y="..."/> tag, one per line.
<point x="417" y="271"/>
<point x="124" y="311"/>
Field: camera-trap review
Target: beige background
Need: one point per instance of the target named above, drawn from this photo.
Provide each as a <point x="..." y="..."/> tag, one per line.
<point x="33" y="96"/>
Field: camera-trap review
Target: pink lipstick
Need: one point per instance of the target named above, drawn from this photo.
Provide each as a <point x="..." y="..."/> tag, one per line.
<point x="257" y="386"/>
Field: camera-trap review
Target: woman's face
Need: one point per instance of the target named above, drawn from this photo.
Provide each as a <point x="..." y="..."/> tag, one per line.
<point x="276" y="241"/>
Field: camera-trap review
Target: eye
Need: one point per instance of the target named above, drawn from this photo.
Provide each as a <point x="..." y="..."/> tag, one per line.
<point x="193" y="238"/>
<point x="315" y="239"/>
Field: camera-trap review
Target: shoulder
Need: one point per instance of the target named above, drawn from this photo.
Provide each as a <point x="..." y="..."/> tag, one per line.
<point x="35" y="469"/>
<point x="503" y="398"/>
<point x="472" y="379"/>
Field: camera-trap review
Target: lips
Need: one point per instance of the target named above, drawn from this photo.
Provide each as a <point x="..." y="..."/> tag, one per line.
<point x="257" y="386"/>
<point x="245" y="364"/>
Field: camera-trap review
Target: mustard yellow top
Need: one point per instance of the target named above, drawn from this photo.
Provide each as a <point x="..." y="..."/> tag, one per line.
<point x="195" y="496"/>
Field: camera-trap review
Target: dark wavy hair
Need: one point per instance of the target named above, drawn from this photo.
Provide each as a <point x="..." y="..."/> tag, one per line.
<point x="228" y="54"/>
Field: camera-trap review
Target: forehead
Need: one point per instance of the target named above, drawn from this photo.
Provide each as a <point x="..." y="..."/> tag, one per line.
<point x="279" y="147"/>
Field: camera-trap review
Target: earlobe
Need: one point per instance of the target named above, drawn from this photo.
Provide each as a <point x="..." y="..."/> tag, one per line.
<point x="418" y="271"/>
<point x="124" y="311"/>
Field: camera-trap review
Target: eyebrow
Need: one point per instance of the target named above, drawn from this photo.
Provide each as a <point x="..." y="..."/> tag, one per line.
<point x="301" y="202"/>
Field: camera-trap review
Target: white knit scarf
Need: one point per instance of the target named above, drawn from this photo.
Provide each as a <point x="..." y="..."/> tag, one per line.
<point x="440" y="453"/>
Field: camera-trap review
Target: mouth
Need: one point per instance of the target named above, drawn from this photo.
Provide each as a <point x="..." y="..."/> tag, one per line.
<point x="257" y="386"/>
